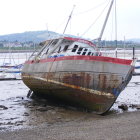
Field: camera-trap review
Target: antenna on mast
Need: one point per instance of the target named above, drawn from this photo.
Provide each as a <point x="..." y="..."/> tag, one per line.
<point x="68" y="19"/>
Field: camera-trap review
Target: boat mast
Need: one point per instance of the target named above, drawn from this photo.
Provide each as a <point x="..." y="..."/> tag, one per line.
<point x="105" y="22"/>
<point x="68" y="19"/>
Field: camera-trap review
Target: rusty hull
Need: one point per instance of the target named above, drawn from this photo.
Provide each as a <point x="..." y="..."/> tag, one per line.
<point x="90" y="87"/>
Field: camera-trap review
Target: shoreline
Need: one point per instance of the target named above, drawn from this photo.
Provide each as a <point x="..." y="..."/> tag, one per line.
<point x="113" y="126"/>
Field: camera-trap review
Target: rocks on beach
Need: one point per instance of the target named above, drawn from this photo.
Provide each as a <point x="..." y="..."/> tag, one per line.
<point x="125" y="107"/>
<point x="135" y="106"/>
<point x="2" y="107"/>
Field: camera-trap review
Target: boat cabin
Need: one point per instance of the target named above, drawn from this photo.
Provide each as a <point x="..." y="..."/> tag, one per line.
<point x="65" y="46"/>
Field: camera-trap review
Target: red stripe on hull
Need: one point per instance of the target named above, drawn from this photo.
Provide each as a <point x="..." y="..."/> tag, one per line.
<point x="88" y="58"/>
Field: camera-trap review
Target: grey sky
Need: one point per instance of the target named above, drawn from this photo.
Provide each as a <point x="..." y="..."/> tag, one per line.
<point x="29" y="15"/>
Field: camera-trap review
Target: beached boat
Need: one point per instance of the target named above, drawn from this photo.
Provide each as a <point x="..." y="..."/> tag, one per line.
<point x="72" y="70"/>
<point x="10" y="72"/>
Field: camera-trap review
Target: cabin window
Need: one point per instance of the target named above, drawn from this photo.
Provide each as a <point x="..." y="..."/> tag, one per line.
<point x="47" y="51"/>
<point x="59" y="49"/>
<point x="74" y="48"/>
<point x="79" y="50"/>
<point x="85" y="51"/>
<point x="65" y="48"/>
<point x="89" y="53"/>
<point x="54" y="42"/>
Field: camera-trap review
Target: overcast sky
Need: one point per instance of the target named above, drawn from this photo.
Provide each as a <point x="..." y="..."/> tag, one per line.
<point x="18" y="16"/>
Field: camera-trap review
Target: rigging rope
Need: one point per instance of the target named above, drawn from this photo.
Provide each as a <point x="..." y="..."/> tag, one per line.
<point x="76" y="14"/>
<point x="91" y="9"/>
<point x="95" y="20"/>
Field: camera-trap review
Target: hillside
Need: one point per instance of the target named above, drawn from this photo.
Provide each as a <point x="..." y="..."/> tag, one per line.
<point x="35" y="36"/>
<point x="38" y="36"/>
<point x="135" y="40"/>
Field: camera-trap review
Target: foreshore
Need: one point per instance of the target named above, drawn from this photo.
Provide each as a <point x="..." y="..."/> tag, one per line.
<point x="124" y="126"/>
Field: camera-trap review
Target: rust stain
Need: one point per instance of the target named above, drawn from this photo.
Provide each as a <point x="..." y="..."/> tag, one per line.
<point x="102" y="81"/>
<point x="50" y="75"/>
<point x="74" y="79"/>
<point x="109" y="95"/>
<point x="77" y="79"/>
<point x="87" y="80"/>
<point x="114" y="81"/>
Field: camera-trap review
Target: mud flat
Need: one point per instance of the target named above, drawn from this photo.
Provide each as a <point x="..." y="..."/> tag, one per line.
<point x="124" y="126"/>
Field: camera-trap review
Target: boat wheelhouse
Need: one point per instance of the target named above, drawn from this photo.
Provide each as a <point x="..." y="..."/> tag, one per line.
<point x="66" y="46"/>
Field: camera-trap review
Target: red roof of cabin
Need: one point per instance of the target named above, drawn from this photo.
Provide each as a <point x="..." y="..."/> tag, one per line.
<point x="81" y="40"/>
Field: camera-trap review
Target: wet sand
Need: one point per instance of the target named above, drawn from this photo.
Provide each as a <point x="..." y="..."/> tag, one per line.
<point x="123" y="126"/>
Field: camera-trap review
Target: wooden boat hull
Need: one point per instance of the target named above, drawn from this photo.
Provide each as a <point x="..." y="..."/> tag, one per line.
<point x="91" y="82"/>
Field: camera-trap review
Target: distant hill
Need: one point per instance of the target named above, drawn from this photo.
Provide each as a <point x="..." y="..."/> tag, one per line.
<point x="38" y="36"/>
<point x="35" y="36"/>
<point x="135" y="40"/>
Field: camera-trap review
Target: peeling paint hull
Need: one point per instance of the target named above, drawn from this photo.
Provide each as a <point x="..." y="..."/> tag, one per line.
<point x="93" y="85"/>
